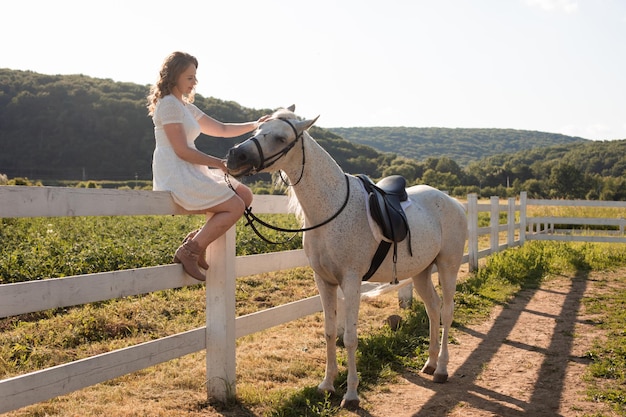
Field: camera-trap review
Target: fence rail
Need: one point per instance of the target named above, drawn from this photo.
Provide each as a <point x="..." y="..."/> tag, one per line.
<point x="544" y="227"/>
<point x="222" y="328"/>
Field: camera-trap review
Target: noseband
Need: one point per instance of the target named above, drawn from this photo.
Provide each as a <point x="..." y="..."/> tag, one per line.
<point x="271" y="160"/>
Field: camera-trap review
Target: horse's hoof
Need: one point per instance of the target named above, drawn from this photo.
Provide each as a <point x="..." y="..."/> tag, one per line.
<point x="324" y="390"/>
<point x="440" y="378"/>
<point x="350" y="404"/>
<point x="429" y="370"/>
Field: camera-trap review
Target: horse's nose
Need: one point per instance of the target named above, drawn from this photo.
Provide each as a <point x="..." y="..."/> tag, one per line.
<point x="236" y="154"/>
<point x="236" y="157"/>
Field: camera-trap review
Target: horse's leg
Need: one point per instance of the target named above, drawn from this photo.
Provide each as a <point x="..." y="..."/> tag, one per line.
<point x="426" y="290"/>
<point x="341" y="311"/>
<point x="447" y="282"/>
<point x="352" y="297"/>
<point x="328" y="296"/>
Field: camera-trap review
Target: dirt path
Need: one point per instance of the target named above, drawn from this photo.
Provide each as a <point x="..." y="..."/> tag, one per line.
<point x="526" y="360"/>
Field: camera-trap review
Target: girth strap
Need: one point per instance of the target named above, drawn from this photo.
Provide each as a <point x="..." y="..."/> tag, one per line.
<point x="379" y="257"/>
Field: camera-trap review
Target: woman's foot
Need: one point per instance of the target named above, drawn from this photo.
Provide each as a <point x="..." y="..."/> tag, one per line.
<point x="201" y="257"/>
<point x="188" y="254"/>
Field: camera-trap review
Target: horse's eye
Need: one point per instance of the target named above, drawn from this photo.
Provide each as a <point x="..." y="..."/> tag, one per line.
<point x="281" y="139"/>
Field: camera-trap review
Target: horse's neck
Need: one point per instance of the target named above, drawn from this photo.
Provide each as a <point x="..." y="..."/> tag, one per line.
<point x="321" y="190"/>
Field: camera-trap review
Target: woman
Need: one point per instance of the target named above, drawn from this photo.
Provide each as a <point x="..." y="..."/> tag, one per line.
<point x="179" y="167"/>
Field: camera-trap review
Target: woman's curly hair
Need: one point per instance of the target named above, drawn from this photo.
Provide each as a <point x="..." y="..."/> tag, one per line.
<point x="174" y="65"/>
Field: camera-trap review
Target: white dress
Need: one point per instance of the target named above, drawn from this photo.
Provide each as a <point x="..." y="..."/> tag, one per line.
<point x="194" y="187"/>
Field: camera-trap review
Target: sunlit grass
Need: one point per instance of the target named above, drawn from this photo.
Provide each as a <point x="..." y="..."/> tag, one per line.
<point x="607" y="372"/>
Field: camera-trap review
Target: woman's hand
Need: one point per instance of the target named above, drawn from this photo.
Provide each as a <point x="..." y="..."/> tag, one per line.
<point x="262" y="119"/>
<point x="223" y="166"/>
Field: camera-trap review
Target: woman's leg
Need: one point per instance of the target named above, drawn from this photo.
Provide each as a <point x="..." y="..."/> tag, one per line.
<point x="245" y="193"/>
<point x="225" y="215"/>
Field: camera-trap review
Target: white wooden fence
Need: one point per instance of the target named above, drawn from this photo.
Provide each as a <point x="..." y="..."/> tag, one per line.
<point x="543" y="228"/>
<point x="222" y="328"/>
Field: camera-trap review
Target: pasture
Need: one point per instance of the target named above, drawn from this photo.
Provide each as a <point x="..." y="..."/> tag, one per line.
<point x="277" y="369"/>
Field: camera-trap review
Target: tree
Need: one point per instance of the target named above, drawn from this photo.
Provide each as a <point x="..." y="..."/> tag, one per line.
<point x="441" y="180"/>
<point x="566" y="181"/>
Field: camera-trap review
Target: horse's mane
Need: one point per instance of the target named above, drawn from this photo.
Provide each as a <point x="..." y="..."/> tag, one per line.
<point x="293" y="205"/>
<point x="283" y="113"/>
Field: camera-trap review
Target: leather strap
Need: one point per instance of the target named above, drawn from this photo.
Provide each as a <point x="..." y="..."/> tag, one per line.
<point x="378" y="259"/>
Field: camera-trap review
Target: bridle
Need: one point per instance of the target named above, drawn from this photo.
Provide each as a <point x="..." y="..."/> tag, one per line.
<point x="251" y="218"/>
<point x="271" y="160"/>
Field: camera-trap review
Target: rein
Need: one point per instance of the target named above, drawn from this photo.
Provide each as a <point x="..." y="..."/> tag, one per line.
<point x="251" y="218"/>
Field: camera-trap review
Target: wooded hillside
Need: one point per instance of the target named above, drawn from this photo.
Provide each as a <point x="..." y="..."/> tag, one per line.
<point x="75" y="127"/>
<point x="461" y="145"/>
<point x="78" y="127"/>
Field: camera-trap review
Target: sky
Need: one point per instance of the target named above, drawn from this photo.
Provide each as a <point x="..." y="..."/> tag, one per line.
<point x="555" y="66"/>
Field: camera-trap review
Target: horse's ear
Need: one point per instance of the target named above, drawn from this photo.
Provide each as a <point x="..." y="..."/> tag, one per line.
<point x="292" y="108"/>
<point x="303" y="125"/>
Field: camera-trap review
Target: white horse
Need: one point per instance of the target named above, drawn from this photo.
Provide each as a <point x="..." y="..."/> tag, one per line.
<point x="340" y="250"/>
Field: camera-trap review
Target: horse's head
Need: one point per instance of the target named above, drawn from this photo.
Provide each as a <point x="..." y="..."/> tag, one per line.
<point x="274" y="138"/>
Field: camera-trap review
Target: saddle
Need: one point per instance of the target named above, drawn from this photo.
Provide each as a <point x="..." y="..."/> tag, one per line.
<point x="385" y="198"/>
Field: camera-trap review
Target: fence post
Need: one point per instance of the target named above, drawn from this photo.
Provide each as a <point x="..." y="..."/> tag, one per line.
<point x="510" y="220"/>
<point x="472" y="232"/>
<point x="494" y="223"/>
<point x="220" y="318"/>
<point x="522" y="218"/>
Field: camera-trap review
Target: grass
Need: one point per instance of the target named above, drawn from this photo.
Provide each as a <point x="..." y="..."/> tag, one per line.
<point x="57" y="247"/>
<point x="607" y="372"/>
<point x="277" y="369"/>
